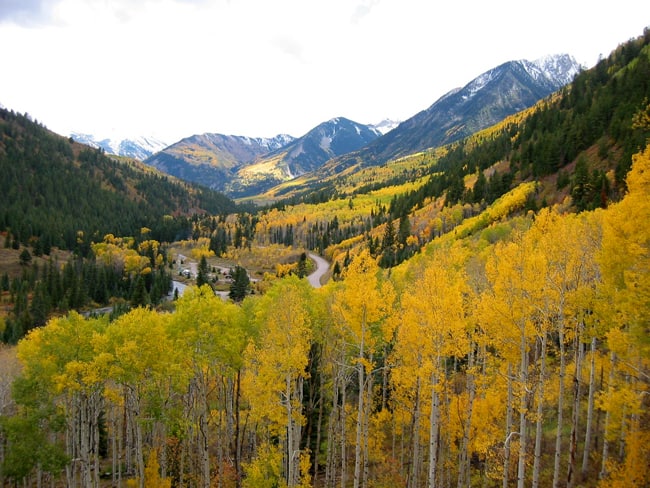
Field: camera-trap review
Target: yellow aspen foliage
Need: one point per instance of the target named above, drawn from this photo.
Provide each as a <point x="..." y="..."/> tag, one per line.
<point x="264" y="470"/>
<point x="634" y="471"/>
<point x="152" y="477"/>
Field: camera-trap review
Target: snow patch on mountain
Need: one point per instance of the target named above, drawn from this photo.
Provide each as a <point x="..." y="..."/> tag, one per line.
<point x="138" y="147"/>
<point x="384" y="126"/>
<point x="560" y="67"/>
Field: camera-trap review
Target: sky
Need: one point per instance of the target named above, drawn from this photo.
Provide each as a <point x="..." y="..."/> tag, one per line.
<point x="174" y="68"/>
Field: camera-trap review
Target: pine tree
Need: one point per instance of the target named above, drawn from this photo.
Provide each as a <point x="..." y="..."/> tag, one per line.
<point x="240" y="284"/>
<point x="202" y="276"/>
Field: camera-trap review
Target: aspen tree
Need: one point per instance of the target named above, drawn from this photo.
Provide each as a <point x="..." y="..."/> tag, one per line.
<point x="433" y="329"/>
<point x="625" y="262"/>
<point x="360" y="307"/>
<point x="210" y="333"/>
<point x="508" y="308"/>
<point x="146" y="369"/>
<point x="278" y="363"/>
<point x="61" y="357"/>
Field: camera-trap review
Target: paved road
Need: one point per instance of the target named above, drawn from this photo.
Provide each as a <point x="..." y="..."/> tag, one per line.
<point x="321" y="268"/>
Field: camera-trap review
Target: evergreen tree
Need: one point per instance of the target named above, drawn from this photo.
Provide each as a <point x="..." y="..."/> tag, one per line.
<point x="302" y="266"/>
<point x="25" y="257"/>
<point x="202" y="276"/>
<point x="140" y="297"/>
<point x="240" y="284"/>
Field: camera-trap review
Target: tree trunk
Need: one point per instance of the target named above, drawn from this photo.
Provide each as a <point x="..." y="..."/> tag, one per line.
<point x="237" y="436"/>
<point x="605" y="457"/>
<point x="463" y="461"/>
<point x="366" y="429"/>
<point x="506" y="444"/>
<point x="319" y="426"/>
<point x="560" y="410"/>
<point x="360" y="406"/>
<point x="590" y="410"/>
<point x="523" y="406"/>
<point x="414" y="481"/>
<point x="434" y="420"/>
<point x="343" y="439"/>
<point x="540" y="414"/>
<point x="204" y="441"/>
<point x="290" y="475"/>
<point x="575" y="416"/>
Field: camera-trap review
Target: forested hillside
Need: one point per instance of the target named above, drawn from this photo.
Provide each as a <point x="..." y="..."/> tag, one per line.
<point x="55" y="191"/>
<point x="519" y="362"/>
<point x="577" y="143"/>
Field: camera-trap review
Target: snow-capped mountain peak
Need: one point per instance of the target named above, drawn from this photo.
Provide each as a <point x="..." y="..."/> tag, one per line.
<point x="385" y="126"/>
<point x="560" y="67"/>
<point x="137" y="147"/>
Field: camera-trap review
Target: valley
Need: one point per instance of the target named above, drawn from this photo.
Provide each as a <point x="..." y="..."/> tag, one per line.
<point x="459" y="301"/>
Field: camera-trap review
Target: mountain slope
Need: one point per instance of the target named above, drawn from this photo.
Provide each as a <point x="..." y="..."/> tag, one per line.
<point x="213" y="159"/>
<point x="326" y="141"/>
<point x="484" y="101"/>
<point x="62" y="193"/>
<point x="139" y="148"/>
<point x="571" y="151"/>
<point x="241" y="166"/>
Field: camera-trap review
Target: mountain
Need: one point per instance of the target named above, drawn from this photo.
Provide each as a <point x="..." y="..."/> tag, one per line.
<point x="213" y="159"/>
<point x="487" y="99"/>
<point x="241" y="166"/>
<point x="139" y="148"/>
<point x="571" y="152"/>
<point x="58" y="192"/>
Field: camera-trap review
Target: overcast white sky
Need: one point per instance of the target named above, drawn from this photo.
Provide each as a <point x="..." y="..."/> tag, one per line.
<point x="173" y="68"/>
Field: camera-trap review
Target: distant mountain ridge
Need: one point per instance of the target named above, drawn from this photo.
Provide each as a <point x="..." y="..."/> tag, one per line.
<point x="213" y="159"/>
<point x="487" y="99"/>
<point x="139" y="148"/>
<point x="241" y="166"/>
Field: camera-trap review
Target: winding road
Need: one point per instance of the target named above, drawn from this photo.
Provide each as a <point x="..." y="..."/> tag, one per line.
<point x="321" y="268"/>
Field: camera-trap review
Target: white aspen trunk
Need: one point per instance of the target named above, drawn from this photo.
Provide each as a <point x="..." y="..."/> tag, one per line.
<point x="220" y="432"/>
<point x="523" y="405"/>
<point x="319" y="426"/>
<point x="414" y="481"/>
<point x="97" y="406"/>
<point x="506" y="444"/>
<point x="360" y="406"/>
<point x="84" y="440"/>
<point x="366" y="428"/>
<point x="575" y="416"/>
<point x="605" y="456"/>
<point x="330" y="465"/>
<point x="560" y="410"/>
<point x="128" y="429"/>
<point x="198" y="396"/>
<point x="343" y="437"/>
<point x="590" y="410"/>
<point x="134" y="407"/>
<point x="69" y="468"/>
<point x="298" y="428"/>
<point x="464" y="464"/>
<point x="291" y="482"/>
<point x="114" y="434"/>
<point x="540" y="414"/>
<point x="434" y="420"/>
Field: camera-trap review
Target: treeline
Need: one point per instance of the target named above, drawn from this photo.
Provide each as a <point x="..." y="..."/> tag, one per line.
<point x="53" y="189"/>
<point x="523" y="362"/>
